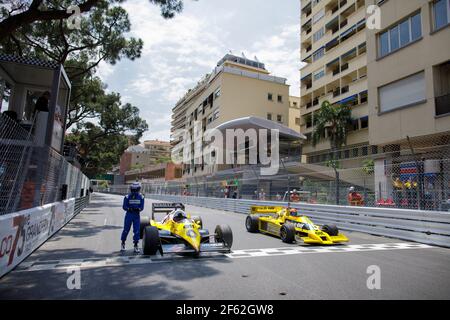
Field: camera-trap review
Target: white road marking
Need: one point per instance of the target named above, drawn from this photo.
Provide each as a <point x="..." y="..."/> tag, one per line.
<point x="105" y="222"/>
<point x="237" y="254"/>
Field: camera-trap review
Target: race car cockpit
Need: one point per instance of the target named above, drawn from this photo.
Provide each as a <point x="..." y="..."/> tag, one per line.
<point x="179" y="215"/>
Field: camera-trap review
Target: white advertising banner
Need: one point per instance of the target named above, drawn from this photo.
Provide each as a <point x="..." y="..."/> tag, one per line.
<point x="23" y="232"/>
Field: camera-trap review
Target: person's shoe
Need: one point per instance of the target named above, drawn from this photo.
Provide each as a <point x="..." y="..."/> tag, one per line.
<point x="122" y="247"/>
<point x="136" y="249"/>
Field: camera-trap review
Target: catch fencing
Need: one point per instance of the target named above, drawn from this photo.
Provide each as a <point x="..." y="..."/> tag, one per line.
<point x="414" y="225"/>
<point x="32" y="176"/>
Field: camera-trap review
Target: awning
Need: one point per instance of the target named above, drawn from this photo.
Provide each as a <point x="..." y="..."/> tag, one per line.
<point x="349" y="53"/>
<point x="347" y="32"/>
<point x="332" y="62"/>
<point x="349" y="99"/>
<point x="261" y="123"/>
<point x="307" y="76"/>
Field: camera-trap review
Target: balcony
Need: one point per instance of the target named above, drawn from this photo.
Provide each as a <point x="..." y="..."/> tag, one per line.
<point x="442" y="105"/>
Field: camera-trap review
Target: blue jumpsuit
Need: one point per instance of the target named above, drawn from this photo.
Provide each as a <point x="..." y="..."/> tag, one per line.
<point x="133" y="204"/>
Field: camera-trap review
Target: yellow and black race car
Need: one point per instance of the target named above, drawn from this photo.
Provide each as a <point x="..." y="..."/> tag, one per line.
<point x="178" y="232"/>
<point x="290" y="226"/>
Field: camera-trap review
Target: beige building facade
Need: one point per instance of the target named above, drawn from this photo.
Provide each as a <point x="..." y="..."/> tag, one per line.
<point x="409" y="95"/>
<point x="237" y="88"/>
<point x="334" y="53"/>
<point x="409" y="71"/>
<point x="294" y="113"/>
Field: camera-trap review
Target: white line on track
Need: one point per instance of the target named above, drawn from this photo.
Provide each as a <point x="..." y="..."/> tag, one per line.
<point x="237" y="254"/>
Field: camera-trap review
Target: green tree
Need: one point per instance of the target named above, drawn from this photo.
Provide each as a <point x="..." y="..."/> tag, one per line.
<point x="101" y="144"/>
<point x="333" y="121"/>
<point x="368" y="166"/>
<point x="22" y="13"/>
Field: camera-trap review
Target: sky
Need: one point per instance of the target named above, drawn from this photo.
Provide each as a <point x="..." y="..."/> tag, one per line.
<point x="178" y="52"/>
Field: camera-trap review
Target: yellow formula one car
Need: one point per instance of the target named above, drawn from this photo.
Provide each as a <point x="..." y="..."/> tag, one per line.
<point x="178" y="232"/>
<point x="289" y="225"/>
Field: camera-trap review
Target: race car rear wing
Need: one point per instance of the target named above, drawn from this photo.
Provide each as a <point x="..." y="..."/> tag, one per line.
<point x="165" y="207"/>
<point x="268" y="210"/>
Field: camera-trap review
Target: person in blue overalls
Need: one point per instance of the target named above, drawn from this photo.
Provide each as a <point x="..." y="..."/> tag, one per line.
<point x="133" y="204"/>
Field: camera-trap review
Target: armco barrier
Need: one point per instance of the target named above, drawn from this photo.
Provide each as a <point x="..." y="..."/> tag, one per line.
<point x="428" y="227"/>
<point x="23" y="232"/>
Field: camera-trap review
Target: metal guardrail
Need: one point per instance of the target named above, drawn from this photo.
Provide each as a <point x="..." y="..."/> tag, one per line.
<point x="429" y="227"/>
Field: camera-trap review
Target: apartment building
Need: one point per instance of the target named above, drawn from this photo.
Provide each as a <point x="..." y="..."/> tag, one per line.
<point x="237" y="88"/>
<point x="294" y="113"/>
<point x="333" y="49"/>
<point x="159" y="149"/>
<point x="409" y="88"/>
<point x="140" y="156"/>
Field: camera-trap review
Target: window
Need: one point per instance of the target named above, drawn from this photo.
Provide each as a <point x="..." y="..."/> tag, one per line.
<point x="405" y="92"/>
<point x="364" y="122"/>
<point x="441" y="13"/>
<point x="294" y="104"/>
<point x="365" y="151"/>
<point x="319" y="54"/>
<point x="394" y="38"/>
<point x="400" y="35"/>
<point x="280" y="98"/>
<point x="269" y="116"/>
<point x="279" y="118"/>
<point x="319" y="34"/>
<point x="297" y="121"/>
<point x="270" y="97"/>
<point x="215" y="115"/>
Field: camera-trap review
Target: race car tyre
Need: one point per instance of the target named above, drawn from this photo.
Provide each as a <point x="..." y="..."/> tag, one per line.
<point x="332" y="230"/>
<point x="198" y="220"/>
<point x="252" y="223"/>
<point x="144" y="222"/>
<point x="287" y="233"/>
<point x="151" y="242"/>
<point x="224" y="234"/>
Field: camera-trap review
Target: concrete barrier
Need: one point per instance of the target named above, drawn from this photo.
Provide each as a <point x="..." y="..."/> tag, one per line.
<point x="23" y="232"/>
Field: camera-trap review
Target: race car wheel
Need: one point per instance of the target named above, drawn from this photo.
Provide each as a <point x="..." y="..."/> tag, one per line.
<point x="287" y="233"/>
<point x="251" y="223"/>
<point x="151" y="242"/>
<point x="144" y="222"/>
<point x="198" y="220"/>
<point x="332" y="230"/>
<point x="224" y="234"/>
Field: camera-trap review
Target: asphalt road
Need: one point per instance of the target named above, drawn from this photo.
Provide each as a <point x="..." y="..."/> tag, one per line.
<point x="260" y="267"/>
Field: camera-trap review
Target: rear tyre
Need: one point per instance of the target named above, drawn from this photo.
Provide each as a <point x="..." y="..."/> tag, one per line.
<point x="144" y="222"/>
<point x="224" y="234"/>
<point x="287" y="233"/>
<point x="332" y="230"/>
<point x="198" y="220"/>
<point x="151" y="242"/>
<point x="252" y="223"/>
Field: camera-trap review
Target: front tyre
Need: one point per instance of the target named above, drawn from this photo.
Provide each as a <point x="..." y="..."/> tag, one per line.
<point x="151" y="242"/>
<point x="144" y="222"/>
<point x="224" y="234"/>
<point x="287" y="233"/>
<point x="198" y="220"/>
<point x="252" y="223"/>
<point x="332" y="230"/>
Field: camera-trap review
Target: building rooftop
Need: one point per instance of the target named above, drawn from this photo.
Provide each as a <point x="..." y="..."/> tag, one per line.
<point x="241" y="60"/>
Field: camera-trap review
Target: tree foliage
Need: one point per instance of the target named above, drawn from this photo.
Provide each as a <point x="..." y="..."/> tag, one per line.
<point x="334" y="121"/>
<point x="39" y="28"/>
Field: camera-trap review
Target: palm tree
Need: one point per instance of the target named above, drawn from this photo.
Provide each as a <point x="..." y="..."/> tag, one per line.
<point x="335" y="121"/>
